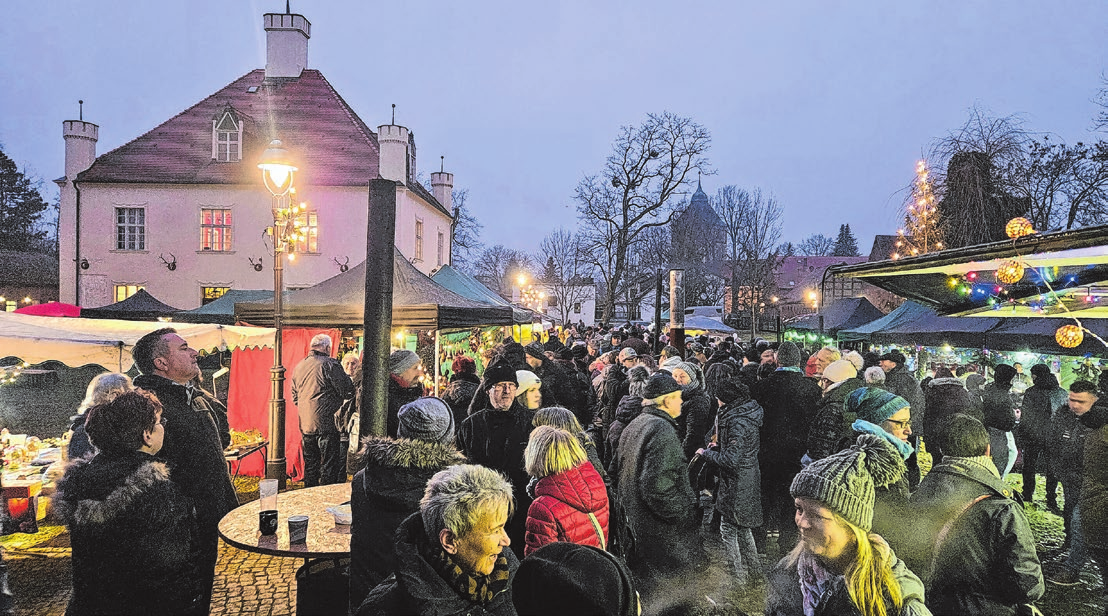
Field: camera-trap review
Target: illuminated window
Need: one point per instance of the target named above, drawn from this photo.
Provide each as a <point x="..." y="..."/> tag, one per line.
<point x="130" y="228"/>
<point x="310" y="243"/>
<point x="123" y="291"/>
<point x="577" y="308"/>
<point x="418" y="239"/>
<point x="227" y="138"/>
<point x="215" y="229"/>
<point x="210" y="294"/>
<point x="10" y="305"/>
<point x="442" y="248"/>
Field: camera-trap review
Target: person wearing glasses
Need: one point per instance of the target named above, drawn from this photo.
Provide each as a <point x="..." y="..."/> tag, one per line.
<point x="133" y="531"/>
<point x="888" y="416"/>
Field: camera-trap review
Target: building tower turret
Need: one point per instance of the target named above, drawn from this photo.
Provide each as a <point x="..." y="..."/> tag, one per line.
<point x="80" y="153"/>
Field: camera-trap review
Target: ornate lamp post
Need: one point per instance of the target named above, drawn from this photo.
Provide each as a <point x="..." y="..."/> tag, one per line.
<point x="277" y="172"/>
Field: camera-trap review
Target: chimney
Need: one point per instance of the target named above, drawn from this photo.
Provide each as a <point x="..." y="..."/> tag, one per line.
<point x="442" y="185"/>
<point x="80" y="146"/>
<point x="393" y="141"/>
<point x="286" y="44"/>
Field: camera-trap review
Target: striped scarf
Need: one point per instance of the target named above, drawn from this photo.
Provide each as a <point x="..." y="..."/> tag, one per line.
<point x="480" y="589"/>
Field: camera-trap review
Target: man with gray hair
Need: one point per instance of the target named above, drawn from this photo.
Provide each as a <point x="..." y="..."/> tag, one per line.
<point x="319" y="387"/>
<point x="452" y="555"/>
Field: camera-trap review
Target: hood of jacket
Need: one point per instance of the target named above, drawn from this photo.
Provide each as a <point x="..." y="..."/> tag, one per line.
<point x="951" y="381"/>
<point x="395" y="471"/>
<point x="99" y="490"/>
<point x="962" y="467"/>
<point x="750" y="412"/>
<point x="580" y="487"/>
<point x="629" y="408"/>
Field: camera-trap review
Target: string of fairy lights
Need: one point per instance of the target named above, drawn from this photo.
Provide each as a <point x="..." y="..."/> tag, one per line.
<point x="920" y="234"/>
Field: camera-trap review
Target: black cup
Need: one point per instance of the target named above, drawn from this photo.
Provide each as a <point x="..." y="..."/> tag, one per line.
<point x="267" y="521"/>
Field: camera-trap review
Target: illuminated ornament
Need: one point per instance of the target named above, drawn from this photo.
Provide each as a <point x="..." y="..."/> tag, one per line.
<point x="1069" y="336"/>
<point x="1019" y="227"/>
<point x="1010" y="272"/>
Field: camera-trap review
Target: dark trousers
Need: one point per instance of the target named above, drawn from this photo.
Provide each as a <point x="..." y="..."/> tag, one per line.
<point x="1034" y="455"/>
<point x="778" y="511"/>
<point x="1100" y="557"/>
<point x="208" y="548"/>
<point x="1071" y="492"/>
<point x="324" y="460"/>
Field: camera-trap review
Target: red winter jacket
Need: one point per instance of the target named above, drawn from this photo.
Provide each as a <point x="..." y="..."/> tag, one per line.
<point x="560" y="511"/>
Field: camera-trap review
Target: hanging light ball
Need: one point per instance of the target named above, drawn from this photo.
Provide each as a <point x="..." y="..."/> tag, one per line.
<point x="1009" y="272"/>
<point x="1019" y="227"/>
<point x="1069" y="336"/>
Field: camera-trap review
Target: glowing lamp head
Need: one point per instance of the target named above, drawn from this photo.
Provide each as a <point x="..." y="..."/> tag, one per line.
<point x="1019" y="227"/>
<point x="277" y="169"/>
<point x="1069" y="336"/>
<point x="1009" y="272"/>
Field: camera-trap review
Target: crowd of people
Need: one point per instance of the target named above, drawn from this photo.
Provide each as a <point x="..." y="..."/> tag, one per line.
<point x="584" y="474"/>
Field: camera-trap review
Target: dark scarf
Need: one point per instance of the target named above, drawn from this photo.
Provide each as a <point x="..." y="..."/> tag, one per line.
<point x="479" y="589"/>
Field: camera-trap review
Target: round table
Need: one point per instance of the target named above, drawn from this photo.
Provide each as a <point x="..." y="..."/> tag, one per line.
<point x="325" y="538"/>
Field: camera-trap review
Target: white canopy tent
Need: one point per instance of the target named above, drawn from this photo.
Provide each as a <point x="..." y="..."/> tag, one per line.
<point x="108" y="342"/>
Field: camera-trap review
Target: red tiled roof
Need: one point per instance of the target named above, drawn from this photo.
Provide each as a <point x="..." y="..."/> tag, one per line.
<point x="330" y="143"/>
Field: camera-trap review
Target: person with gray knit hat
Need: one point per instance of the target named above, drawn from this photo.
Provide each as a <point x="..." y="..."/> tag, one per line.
<point x="427" y="419"/>
<point x="405" y="368"/>
<point x="697" y="409"/>
<point x="838" y="563"/>
<point x="788" y="355"/>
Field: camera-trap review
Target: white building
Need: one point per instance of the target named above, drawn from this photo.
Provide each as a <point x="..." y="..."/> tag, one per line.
<point x="568" y="304"/>
<point x="181" y="210"/>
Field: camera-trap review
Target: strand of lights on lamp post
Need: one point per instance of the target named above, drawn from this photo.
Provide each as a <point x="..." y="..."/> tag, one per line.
<point x="921" y="219"/>
<point x="292" y="225"/>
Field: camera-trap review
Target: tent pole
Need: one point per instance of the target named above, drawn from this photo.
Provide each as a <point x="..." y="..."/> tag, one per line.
<point x="377" y="315"/>
<point x="438" y="363"/>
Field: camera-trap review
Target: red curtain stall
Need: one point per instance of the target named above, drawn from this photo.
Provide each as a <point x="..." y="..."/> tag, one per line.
<point x="248" y="397"/>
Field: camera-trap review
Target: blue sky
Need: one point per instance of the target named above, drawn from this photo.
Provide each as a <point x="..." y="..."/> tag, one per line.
<point x="827" y="105"/>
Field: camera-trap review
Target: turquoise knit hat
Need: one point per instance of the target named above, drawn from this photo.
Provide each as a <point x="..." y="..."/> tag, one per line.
<point x="873" y="404"/>
<point x="845" y="481"/>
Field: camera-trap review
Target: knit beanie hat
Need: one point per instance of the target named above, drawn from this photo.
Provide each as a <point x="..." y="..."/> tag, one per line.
<point x="401" y="360"/>
<point x="535" y="350"/>
<point x="660" y="384"/>
<point x="462" y="364"/>
<point x="499" y="372"/>
<point x="671" y="362"/>
<point x="692" y="371"/>
<point x="788" y="355"/>
<point x="856" y="359"/>
<point x="839" y="371"/>
<point x="732" y="389"/>
<point x="1003" y="374"/>
<point x="845" y="481"/>
<point x="580" y="350"/>
<point x="637" y="377"/>
<point x="894" y="356"/>
<point x="527" y="380"/>
<point x="874" y="405"/>
<point x="566" y="578"/>
<point x="426" y="419"/>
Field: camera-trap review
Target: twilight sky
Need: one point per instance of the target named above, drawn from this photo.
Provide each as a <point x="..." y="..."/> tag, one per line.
<point x="827" y="105"/>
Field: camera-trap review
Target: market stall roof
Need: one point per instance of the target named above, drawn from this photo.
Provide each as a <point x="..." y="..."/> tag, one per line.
<point x="840" y="314"/>
<point x="222" y="310"/>
<point x="707" y="324"/>
<point x="913" y="323"/>
<point x="962" y="281"/>
<point x="905" y="312"/>
<point x="1037" y="334"/>
<point x="467" y="286"/>
<point x="417" y="302"/>
<point x="108" y="342"/>
<point x="139" y="307"/>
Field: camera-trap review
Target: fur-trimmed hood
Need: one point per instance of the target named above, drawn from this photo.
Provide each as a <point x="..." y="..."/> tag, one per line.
<point x="951" y="380"/>
<point x="99" y="491"/>
<point x="408" y="453"/>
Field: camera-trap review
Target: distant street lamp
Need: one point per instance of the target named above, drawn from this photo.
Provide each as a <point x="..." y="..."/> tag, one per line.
<point x="277" y="173"/>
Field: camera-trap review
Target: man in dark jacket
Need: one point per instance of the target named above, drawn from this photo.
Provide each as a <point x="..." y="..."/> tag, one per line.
<point x="196" y="432"/>
<point x="789" y="399"/>
<point x="463" y="387"/>
<point x="1040" y="401"/>
<point x="831" y="432"/>
<point x="1067" y="460"/>
<point x="901" y="382"/>
<point x="978" y="555"/>
<point x="404" y="385"/>
<point x="652" y="480"/>
<point x="319" y="388"/>
<point x="558" y="388"/>
<point x="495" y="435"/>
<point x="451" y="556"/>
<point x="946" y="396"/>
<point x="1000" y="417"/>
<point x="614" y="387"/>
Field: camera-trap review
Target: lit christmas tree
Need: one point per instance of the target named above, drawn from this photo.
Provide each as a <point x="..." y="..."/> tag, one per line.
<point x="920" y="234"/>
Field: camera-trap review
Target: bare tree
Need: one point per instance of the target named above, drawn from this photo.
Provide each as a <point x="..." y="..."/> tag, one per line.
<point x="753" y="225"/>
<point x="497" y="267"/>
<point x="649" y="164"/>
<point x="466" y="231"/>
<point x="568" y="271"/>
<point x="816" y="245"/>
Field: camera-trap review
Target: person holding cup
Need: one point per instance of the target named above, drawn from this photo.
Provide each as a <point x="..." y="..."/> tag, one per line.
<point x="131" y="529"/>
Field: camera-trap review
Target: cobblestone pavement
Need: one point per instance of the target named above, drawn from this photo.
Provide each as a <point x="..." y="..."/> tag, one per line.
<point x="245" y="583"/>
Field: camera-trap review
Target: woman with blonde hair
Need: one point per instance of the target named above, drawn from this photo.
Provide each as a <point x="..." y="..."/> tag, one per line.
<point x="564" y="419"/>
<point x="529" y="392"/>
<point x="839" y="566"/>
<point x="570" y="501"/>
<point x="102" y="389"/>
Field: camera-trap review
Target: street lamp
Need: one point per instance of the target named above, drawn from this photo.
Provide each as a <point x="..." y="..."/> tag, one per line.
<point x="277" y="172"/>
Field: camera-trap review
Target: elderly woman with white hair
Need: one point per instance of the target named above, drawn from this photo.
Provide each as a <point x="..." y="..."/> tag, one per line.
<point x="452" y="554"/>
<point x="102" y="389"/>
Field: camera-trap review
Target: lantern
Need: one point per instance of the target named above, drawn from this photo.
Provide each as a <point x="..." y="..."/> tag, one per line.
<point x="1019" y="227"/>
<point x="1069" y="336"/>
<point x="1009" y="272"/>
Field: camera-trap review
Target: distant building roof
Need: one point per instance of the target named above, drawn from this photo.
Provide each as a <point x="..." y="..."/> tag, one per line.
<point x="28" y="269"/>
<point x="883" y="247"/>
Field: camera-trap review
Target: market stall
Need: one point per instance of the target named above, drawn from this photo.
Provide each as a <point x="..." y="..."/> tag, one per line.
<point x="139" y="307"/>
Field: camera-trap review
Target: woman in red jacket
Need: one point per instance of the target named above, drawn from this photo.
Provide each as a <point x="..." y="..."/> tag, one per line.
<point x="570" y="502"/>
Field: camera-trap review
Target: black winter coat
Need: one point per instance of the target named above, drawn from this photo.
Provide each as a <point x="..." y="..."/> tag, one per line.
<point x="739" y="497"/>
<point x="385" y="492"/>
<point x="416" y="589"/>
<point x="133" y="534"/>
<point x="789" y="400"/>
<point x="696" y="410"/>
<point x="629" y="408"/>
<point x="1066" y="450"/>
<point x="1000" y="417"/>
<point x="459" y="395"/>
<point x="195" y="434"/>
<point x="613" y="390"/>
<point x="561" y="388"/>
<point x="652" y="481"/>
<point x="319" y="388"/>
<point x="945" y="398"/>
<point x="1039" y="403"/>
<point x="987" y="563"/>
<point x="831" y="432"/>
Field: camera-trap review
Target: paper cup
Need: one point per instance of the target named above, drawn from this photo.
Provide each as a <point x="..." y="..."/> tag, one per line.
<point x="298" y="529"/>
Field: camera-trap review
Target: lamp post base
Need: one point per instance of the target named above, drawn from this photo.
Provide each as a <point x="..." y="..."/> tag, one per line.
<point x="275" y="469"/>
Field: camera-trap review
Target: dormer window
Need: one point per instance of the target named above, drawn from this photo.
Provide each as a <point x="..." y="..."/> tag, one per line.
<point x="227" y="137"/>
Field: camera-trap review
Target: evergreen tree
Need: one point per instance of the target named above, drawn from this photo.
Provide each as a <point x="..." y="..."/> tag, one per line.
<point x="21" y="209"/>
<point x="845" y="244"/>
